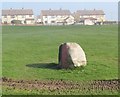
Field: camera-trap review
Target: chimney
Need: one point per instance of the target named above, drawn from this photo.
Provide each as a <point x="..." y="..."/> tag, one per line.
<point x="11" y="8"/>
<point x="60" y="8"/>
<point x="22" y="8"/>
<point x="50" y="9"/>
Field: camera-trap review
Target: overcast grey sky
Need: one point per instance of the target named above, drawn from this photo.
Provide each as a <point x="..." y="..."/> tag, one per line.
<point x="110" y="8"/>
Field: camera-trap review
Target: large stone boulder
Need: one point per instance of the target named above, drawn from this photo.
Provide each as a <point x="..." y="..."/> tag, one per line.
<point x="71" y="55"/>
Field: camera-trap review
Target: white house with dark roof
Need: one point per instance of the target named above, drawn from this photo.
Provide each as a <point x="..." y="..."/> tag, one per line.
<point x="90" y="17"/>
<point x="25" y="16"/>
<point x="56" y="17"/>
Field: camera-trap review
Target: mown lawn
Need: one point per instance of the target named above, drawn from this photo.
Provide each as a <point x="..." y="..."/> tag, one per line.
<point x="31" y="52"/>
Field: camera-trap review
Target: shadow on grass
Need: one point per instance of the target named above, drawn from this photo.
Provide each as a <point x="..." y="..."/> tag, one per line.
<point x="44" y="65"/>
<point x="52" y="66"/>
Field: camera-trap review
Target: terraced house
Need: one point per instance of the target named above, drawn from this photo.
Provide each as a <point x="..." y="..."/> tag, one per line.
<point x="18" y="16"/>
<point x="90" y="17"/>
<point x="56" y="17"/>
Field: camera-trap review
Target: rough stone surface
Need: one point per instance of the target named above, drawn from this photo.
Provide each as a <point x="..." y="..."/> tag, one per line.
<point x="71" y="55"/>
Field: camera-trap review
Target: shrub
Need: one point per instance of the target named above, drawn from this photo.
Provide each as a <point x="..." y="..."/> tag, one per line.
<point x="16" y="22"/>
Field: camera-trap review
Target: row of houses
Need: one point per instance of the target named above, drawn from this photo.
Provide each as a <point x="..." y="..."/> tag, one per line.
<point x="53" y="17"/>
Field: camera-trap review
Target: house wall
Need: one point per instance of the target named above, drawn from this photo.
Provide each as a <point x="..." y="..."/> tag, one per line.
<point x="70" y="20"/>
<point x="60" y="19"/>
<point x="49" y="20"/>
<point x="29" y="16"/>
<point x="38" y="20"/>
<point x="89" y="22"/>
<point x="22" y="18"/>
<point x="29" y="21"/>
<point x="99" y="18"/>
<point x="6" y="19"/>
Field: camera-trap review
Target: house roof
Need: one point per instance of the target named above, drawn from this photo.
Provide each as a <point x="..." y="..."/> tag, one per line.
<point x="55" y="12"/>
<point x="90" y="12"/>
<point x="17" y="12"/>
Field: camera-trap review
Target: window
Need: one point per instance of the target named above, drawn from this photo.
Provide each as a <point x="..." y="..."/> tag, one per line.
<point x="5" y="16"/>
<point x="12" y="16"/>
<point x="5" y="22"/>
<point x="45" y="16"/>
<point x="30" y="15"/>
<point x="23" y="16"/>
<point x="52" y="21"/>
<point x="52" y="16"/>
<point x="46" y="22"/>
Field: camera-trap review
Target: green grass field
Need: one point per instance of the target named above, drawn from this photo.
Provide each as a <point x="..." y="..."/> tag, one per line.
<point x="31" y="52"/>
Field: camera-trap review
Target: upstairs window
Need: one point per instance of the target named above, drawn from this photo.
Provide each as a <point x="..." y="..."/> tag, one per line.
<point x="52" y="16"/>
<point x="45" y="16"/>
<point x="23" y="16"/>
<point x="5" y="16"/>
<point x="12" y="16"/>
<point x="30" y="15"/>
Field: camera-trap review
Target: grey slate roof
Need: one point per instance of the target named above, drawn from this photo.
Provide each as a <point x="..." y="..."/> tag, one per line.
<point x="17" y="12"/>
<point x="91" y="12"/>
<point x="55" y="12"/>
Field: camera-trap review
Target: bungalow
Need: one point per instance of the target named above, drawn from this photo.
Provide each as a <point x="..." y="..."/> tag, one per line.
<point x="56" y="17"/>
<point x="17" y="16"/>
<point x="89" y="17"/>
